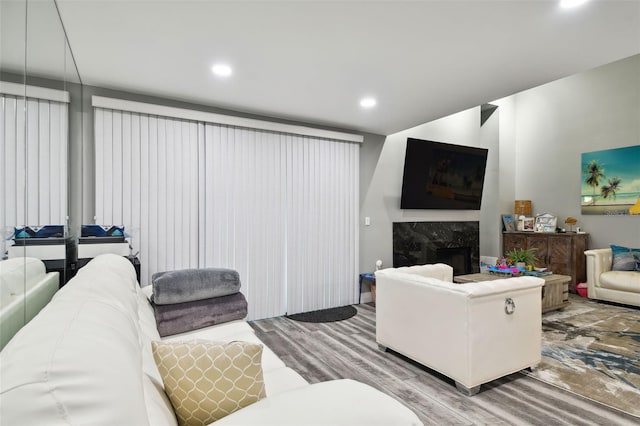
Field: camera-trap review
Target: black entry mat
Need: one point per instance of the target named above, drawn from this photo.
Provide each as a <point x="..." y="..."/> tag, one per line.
<point x="325" y="315"/>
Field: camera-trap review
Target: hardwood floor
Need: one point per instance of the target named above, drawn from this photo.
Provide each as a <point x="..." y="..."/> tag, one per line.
<point x="347" y="349"/>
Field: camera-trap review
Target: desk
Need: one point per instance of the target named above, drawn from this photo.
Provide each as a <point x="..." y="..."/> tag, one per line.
<point x="555" y="292"/>
<point x="368" y="276"/>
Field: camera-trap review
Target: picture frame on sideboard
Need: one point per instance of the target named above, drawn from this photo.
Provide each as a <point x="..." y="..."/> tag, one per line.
<point x="508" y="222"/>
<point x="528" y="224"/>
<point x="545" y="222"/>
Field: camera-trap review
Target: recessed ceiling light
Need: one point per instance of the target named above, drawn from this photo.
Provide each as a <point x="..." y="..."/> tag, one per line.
<point x="222" y="70"/>
<point x="571" y="3"/>
<point x="368" y="102"/>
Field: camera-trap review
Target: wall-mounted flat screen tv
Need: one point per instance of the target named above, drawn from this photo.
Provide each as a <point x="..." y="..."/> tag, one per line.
<point x="442" y="176"/>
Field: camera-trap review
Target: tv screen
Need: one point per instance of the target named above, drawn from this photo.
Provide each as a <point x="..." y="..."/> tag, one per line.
<point x="442" y="176"/>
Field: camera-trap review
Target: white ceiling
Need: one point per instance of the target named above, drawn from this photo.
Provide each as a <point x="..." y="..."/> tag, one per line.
<point x="312" y="61"/>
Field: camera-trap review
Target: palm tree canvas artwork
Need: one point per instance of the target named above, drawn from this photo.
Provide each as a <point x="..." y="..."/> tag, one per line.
<point x="611" y="181"/>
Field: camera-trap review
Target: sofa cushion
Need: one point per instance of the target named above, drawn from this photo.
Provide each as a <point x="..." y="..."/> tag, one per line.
<point x="187" y="285"/>
<point x="625" y="259"/>
<point x="336" y="402"/>
<point x="621" y="280"/>
<point x="282" y="379"/>
<point x="207" y="381"/>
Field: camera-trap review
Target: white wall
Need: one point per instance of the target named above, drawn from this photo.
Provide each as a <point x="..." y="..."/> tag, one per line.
<point x="555" y="123"/>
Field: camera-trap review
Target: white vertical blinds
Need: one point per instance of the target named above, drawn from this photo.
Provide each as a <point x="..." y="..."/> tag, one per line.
<point x="146" y="181"/>
<point x="245" y="183"/>
<point x="33" y="163"/>
<point x="322" y="225"/>
<point x="280" y="209"/>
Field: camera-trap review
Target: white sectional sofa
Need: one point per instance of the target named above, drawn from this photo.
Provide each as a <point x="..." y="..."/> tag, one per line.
<point x="612" y="286"/>
<point x="87" y="359"/>
<point x="472" y="333"/>
<point x="25" y="288"/>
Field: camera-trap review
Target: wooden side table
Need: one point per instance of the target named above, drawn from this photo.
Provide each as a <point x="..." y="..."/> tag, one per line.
<point x="555" y="292"/>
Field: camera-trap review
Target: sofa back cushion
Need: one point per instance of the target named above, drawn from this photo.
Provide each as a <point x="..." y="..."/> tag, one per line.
<point x="73" y="364"/>
<point x="80" y="360"/>
<point x="438" y="271"/>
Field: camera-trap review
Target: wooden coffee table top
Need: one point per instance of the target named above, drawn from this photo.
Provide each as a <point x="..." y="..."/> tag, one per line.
<point x="485" y="276"/>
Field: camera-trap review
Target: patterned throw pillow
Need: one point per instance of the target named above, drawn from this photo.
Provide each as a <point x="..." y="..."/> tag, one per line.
<point x="206" y="381"/>
<point x="625" y="259"/>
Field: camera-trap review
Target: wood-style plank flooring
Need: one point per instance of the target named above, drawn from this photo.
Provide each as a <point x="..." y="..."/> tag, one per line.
<point x="347" y="349"/>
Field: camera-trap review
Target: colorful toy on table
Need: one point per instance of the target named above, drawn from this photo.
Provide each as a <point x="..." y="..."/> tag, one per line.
<point x="502" y="267"/>
<point x="508" y="271"/>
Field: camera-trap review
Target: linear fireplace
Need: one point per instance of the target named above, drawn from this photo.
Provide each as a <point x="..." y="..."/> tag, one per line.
<point x="454" y="243"/>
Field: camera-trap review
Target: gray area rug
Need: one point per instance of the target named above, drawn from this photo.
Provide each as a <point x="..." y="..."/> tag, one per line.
<point x="593" y="350"/>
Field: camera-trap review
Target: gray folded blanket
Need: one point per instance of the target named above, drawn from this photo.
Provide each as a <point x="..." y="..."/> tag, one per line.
<point x="180" y="317"/>
<point x="187" y="285"/>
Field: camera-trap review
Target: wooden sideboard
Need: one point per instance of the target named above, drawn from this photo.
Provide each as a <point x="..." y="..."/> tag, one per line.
<point x="560" y="253"/>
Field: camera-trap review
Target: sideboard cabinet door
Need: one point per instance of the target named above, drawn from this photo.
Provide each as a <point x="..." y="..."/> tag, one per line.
<point x="560" y="253"/>
<point x="559" y="258"/>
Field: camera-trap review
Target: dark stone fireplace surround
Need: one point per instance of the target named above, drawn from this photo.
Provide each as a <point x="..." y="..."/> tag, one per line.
<point x="454" y="243"/>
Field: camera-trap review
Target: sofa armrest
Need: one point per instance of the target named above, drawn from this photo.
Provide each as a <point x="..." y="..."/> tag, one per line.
<point x="598" y="261"/>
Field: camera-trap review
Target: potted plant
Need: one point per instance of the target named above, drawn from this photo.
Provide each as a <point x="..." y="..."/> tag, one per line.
<point x="522" y="257"/>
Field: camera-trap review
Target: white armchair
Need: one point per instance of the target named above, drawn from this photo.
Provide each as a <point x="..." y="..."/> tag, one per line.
<point x="472" y="333"/>
<point x="605" y="284"/>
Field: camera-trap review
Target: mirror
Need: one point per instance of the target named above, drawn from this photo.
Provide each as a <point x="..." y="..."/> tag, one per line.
<point x="12" y="79"/>
<point x="12" y="139"/>
<point x="38" y="84"/>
